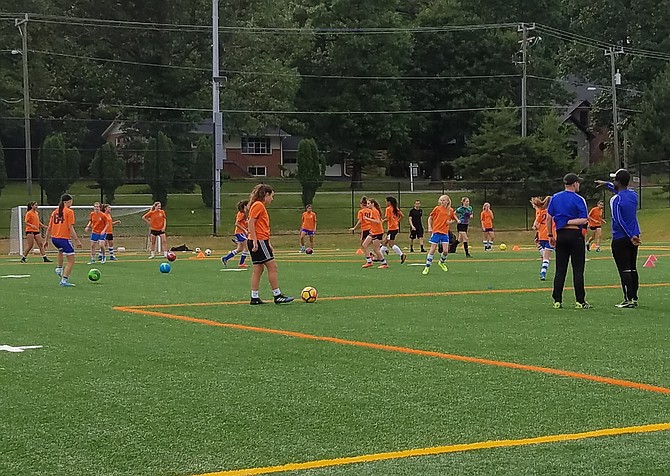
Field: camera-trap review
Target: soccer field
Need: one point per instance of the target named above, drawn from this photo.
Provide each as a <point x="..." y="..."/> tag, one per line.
<point x="390" y="372"/>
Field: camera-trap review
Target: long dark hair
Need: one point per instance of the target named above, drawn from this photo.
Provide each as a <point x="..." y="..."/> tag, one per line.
<point x="259" y="193"/>
<point x="66" y="197"/>
<point x="375" y="203"/>
<point x="241" y="204"/>
<point x="30" y="204"/>
<point x="394" y="204"/>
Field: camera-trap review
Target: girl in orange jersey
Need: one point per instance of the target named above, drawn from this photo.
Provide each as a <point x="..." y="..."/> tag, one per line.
<point x="364" y="224"/>
<point x="241" y="234"/>
<point x="393" y="215"/>
<point x="61" y="230"/>
<point x="259" y="245"/>
<point x="98" y="223"/>
<point x="307" y="227"/>
<point x="543" y="231"/>
<point x="157" y="221"/>
<point x="595" y="226"/>
<point x="438" y="225"/>
<point x="34" y="233"/>
<point x="375" y="236"/>
<point x="486" y="217"/>
<point x="106" y="208"/>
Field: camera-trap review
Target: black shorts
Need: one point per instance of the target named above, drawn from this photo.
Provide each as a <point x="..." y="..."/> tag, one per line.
<point x="377" y="237"/>
<point x="364" y="234"/>
<point x="594" y="228"/>
<point x="263" y="254"/>
<point x="391" y="234"/>
<point x="110" y="237"/>
<point x="462" y="227"/>
<point x="157" y="232"/>
<point x="34" y="233"/>
<point x="418" y="233"/>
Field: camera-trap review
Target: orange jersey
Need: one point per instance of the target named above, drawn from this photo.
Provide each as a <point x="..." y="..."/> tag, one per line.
<point x="32" y="221"/>
<point x="362" y="213"/>
<point x="393" y="220"/>
<point x="308" y="221"/>
<point x="99" y="221"/>
<point x="157" y="219"/>
<point x="110" y="224"/>
<point x="375" y="228"/>
<point x="241" y="225"/>
<point x="596" y="217"/>
<point x="542" y="225"/>
<point x="441" y="218"/>
<point x="60" y="227"/>
<point x="262" y="224"/>
<point x="487" y="218"/>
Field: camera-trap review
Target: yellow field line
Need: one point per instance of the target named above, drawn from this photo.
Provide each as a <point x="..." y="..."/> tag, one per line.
<point x="438" y="450"/>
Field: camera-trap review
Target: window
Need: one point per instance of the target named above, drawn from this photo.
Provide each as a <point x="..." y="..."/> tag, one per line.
<point x="290" y="159"/>
<point x="256" y="145"/>
<point x="257" y="170"/>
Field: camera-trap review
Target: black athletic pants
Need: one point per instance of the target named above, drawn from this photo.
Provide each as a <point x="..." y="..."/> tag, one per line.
<point x="625" y="257"/>
<point x="570" y="246"/>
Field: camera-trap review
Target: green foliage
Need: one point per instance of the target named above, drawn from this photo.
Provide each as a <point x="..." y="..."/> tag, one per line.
<point x="3" y="170"/>
<point x="203" y="169"/>
<point x="60" y="167"/>
<point x="650" y="140"/>
<point x="311" y="169"/>
<point x="107" y="168"/>
<point x="159" y="167"/>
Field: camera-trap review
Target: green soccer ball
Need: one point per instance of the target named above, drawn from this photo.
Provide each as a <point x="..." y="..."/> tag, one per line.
<point x="94" y="275"/>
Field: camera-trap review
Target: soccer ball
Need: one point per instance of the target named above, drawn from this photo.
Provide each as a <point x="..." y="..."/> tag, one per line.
<point x="309" y="251"/>
<point x="208" y="252"/>
<point x="171" y="256"/>
<point x="198" y="250"/>
<point x="502" y="247"/>
<point x="165" y="267"/>
<point x="309" y="294"/>
<point x="94" y="275"/>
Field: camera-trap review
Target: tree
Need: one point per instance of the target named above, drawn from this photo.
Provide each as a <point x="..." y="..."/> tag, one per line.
<point x="159" y="167"/>
<point x="60" y="167"/>
<point x="107" y="169"/>
<point x="311" y="169"/>
<point x="203" y="170"/>
<point x="3" y="170"/>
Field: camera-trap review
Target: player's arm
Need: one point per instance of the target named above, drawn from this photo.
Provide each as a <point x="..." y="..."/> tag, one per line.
<point x="358" y="223"/>
<point x="88" y="225"/>
<point x="430" y="224"/>
<point x="550" y="229"/>
<point x="146" y="218"/>
<point x="164" y="223"/>
<point x="314" y="223"/>
<point x="48" y="234"/>
<point x="252" y="233"/>
<point x="73" y="234"/>
<point x="411" y="223"/>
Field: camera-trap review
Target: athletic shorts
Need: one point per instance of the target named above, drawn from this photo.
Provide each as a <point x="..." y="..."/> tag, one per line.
<point x="418" y="233"/>
<point x="364" y="234"/>
<point x="377" y="237"/>
<point x="63" y="245"/>
<point x="488" y="230"/>
<point x="157" y="232"/>
<point x="98" y="236"/>
<point x="34" y="233"/>
<point x="307" y="232"/>
<point x="110" y="236"/>
<point x="437" y="238"/>
<point x="594" y="228"/>
<point x="391" y="234"/>
<point x="544" y="245"/>
<point x="240" y="237"/>
<point x="263" y="254"/>
<point x="462" y="227"/>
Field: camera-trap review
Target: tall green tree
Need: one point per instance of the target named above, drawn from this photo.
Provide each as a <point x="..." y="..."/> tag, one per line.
<point x="311" y="169"/>
<point x="60" y="167"/>
<point x="159" y="167"/>
<point x="3" y="170"/>
<point x="107" y="168"/>
<point x="203" y="170"/>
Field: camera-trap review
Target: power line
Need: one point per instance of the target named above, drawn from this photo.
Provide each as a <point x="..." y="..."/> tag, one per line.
<point x="581" y="83"/>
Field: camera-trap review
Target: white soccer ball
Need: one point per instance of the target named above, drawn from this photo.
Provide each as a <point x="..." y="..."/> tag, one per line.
<point x="198" y="250"/>
<point x="121" y="249"/>
<point x="208" y="252"/>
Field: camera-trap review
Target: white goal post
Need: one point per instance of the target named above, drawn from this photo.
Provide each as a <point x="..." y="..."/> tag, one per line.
<point x="132" y="233"/>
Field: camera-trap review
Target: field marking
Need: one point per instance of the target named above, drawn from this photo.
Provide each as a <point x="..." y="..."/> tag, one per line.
<point x="439" y="450"/>
<point x="406" y="350"/>
<point x="386" y="296"/>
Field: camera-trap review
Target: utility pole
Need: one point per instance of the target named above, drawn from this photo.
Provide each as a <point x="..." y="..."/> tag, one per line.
<point x="524" y="28"/>
<point x="217" y="119"/>
<point x="616" y="79"/>
<point x="22" y="25"/>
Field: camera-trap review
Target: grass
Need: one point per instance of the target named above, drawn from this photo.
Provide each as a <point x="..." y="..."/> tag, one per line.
<point x="117" y="393"/>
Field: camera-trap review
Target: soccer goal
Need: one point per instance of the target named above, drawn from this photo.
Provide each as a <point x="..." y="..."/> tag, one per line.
<point x="132" y="233"/>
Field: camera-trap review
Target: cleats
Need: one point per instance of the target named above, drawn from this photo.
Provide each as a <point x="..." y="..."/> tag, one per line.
<point x="627" y="304"/>
<point x="46" y="260"/>
<point x="92" y="262"/>
<point x="59" y="272"/>
<point x="543" y="276"/>
<point x="468" y="255"/>
<point x="256" y="301"/>
<point x="23" y="259"/>
<point x="426" y="270"/>
<point x="598" y="249"/>
<point x="423" y="251"/>
<point x="281" y="299"/>
<point x="66" y="284"/>
<point x="411" y="250"/>
<point x="242" y="265"/>
<point x="403" y="258"/>
<point x="582" y="305"/>
<point x="557" y="305"/>
<point x="383" y="266"/>
<point x="443" y="266"/>
<point x="367" y="265"/>
<point x="112" y="258"/>
<point x="588" y="246"/>
<point x="224" y="261"/>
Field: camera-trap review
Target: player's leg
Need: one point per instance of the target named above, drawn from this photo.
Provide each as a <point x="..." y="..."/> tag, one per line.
<point x="562" y="259"/>
<point x="30" y="242"/>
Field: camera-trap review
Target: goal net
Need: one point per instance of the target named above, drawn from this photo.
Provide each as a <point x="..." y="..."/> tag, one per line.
<point x="132" y="233"/>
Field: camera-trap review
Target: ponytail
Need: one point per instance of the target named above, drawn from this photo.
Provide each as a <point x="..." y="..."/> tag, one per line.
<point x="394" y="204"/>
<point x="66" y="197"/>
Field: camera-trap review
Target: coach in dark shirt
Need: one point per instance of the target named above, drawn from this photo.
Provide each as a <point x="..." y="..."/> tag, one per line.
<point x="570" y="214"/>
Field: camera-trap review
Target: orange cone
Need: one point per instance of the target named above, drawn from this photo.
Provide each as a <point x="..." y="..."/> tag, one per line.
<point x="515" y="248"/>
<point x="200" y="255"/>
<point x="359" y="252"/>
<point x="649" y="263"/>
<point x="653" y="258"/>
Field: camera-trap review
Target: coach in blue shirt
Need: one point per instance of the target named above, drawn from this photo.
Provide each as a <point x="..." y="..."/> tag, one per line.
<point x="570" y="215"/>
<point x="625" y="234"/>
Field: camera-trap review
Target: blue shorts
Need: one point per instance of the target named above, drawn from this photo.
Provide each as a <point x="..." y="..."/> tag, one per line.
<point x="63" y="245"/>
<point x="307" y="232"/>
<point x="437" y="238"/>
<point x="98" y="236"/>
<point x="544" y="245"/>
<point x="240" y="237"/>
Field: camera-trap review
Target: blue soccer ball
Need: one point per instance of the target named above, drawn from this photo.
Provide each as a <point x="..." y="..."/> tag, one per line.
<point x="165" y="267"/>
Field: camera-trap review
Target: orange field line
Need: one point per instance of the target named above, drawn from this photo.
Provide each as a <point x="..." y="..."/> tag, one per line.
<point x="400" y="295"/>
<point x="438" y="450"/>
<point x="406" y="350"/>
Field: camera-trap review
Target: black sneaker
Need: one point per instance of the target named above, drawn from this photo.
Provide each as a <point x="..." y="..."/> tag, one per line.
<point x="281" y="299"/>
<point x="23" y="259"/>
<point x="423" y="251"/>
<point x="403" y="258"/>
<point x="411" y="250"/>
<point x="256" y="301"/>
<point x="627" y="304"/>
<point x="47" y="260"/>
<point x="582" y="305"/>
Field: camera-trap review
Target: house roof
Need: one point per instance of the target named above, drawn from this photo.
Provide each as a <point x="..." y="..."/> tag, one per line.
<point x="573" y="107"/>
<point x="291" y="143"/>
